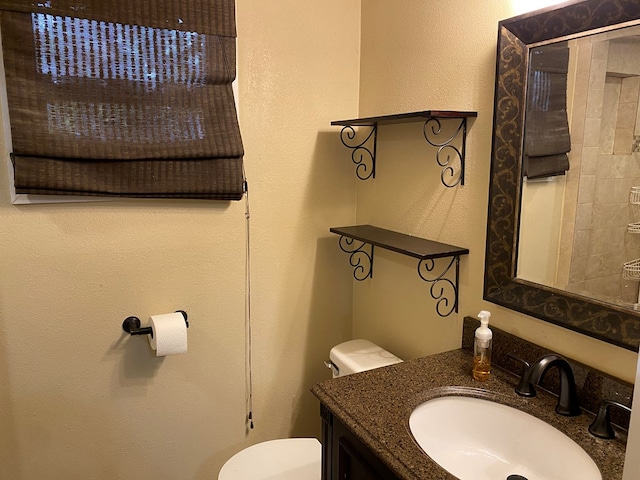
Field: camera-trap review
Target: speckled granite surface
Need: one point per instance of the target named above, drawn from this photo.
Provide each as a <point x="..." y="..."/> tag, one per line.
<point x="376" y="406"/>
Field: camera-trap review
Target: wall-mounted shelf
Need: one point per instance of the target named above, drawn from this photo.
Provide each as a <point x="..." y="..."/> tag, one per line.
<point x="355" y="239"/>
<point x="363" y="152"/>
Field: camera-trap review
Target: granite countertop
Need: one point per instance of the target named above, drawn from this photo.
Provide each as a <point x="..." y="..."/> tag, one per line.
<point x="375" y="405"/>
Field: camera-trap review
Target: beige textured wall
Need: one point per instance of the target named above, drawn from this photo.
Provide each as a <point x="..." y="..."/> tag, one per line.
<point x="438" y="55"/>
<point x="78" y="399"/>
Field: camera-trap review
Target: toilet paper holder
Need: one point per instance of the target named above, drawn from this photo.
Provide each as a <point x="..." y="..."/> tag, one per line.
<point x="131" y="325"/>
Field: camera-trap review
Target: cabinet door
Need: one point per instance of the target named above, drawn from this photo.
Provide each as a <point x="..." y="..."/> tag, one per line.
<point x="345" y="457"/>
<point x="351" y="465"/>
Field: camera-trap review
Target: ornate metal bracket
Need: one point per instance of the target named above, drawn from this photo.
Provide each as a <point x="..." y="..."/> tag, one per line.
<point x="448" y="154"/>
<point x="362" y="155"/>
<point x="359" y="258"/>
<point x="440" y="284"/>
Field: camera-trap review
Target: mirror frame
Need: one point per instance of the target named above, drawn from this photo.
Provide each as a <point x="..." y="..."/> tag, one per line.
<point x="516" y="36"/>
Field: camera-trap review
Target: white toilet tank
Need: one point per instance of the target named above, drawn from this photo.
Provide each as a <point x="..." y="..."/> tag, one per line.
<point x="357" y="356"/>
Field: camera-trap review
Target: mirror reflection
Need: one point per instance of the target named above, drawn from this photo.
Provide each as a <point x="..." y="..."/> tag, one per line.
<point x="580" y="209"/>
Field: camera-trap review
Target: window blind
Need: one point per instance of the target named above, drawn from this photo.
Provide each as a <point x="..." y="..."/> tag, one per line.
<point x="123" y="98"/>
<point x="546" y="129"/>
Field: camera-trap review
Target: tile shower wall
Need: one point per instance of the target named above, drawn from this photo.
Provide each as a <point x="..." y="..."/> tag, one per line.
<point x="605" y="152"/>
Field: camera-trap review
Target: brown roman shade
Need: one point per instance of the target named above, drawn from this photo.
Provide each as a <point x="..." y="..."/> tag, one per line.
<point x="127" y="98"/>
<point x="546" y="130"/>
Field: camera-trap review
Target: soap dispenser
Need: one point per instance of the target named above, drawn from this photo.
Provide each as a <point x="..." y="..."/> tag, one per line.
<point x="482" y="348"/>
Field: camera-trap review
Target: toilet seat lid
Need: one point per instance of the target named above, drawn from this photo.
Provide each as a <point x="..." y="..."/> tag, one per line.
<point x="282" y="459"/>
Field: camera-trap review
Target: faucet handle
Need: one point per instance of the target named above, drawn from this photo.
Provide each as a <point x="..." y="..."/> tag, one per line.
<point x="518" y="359"/>
<point x="524" y="388"/>
<point x="601" y="426"/>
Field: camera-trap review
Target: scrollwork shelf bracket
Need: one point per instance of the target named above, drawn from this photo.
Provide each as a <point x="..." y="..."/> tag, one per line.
<point x="363" y="153"/>
<point x="359" y="258"/>
<point x="445" y="305"/>
<point x="448" y="155"/>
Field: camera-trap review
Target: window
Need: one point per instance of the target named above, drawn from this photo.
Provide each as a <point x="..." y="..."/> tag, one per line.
<point x="122" y="98"/>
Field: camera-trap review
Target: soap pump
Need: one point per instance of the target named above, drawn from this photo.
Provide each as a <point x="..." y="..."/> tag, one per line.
<point x="482" y="348"/>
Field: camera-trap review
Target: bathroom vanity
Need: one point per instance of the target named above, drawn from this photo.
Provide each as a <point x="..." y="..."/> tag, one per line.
<point x="365" y="417"/>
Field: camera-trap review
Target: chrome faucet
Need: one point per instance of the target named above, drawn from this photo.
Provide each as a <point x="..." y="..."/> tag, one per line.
<point x="568" y="404"/>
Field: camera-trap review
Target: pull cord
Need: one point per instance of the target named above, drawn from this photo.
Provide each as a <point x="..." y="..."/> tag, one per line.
<point x="247" y="311"/>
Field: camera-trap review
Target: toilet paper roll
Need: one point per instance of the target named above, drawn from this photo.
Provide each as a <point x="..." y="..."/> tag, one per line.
<point x="169" y="334"/>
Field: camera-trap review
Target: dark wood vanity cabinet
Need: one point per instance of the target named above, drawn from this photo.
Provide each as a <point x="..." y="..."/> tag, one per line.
<point x="345" y="457"/>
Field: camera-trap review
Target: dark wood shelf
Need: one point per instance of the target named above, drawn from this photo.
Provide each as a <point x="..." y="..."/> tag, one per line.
<point x="404" y="118"/>
<point x="450" y="154"/>
<point x="398" y="242"/>
<point x="427" y="251"/>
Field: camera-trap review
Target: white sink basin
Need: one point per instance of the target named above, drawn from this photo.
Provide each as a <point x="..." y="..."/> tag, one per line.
<point x="476" y="439"/>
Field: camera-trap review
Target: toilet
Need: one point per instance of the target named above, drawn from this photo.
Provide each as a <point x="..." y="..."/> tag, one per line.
<point x="300" y="458"/>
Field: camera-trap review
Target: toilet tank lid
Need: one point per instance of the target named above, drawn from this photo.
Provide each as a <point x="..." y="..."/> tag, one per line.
<point x="360" y="355"/>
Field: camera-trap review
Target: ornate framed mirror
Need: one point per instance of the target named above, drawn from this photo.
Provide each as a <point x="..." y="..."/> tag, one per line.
<point x="505" y="284"/>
